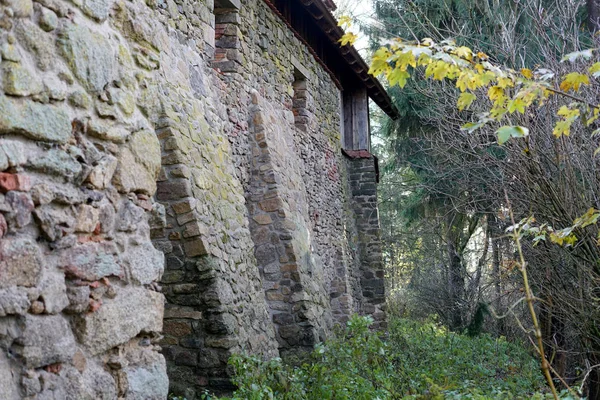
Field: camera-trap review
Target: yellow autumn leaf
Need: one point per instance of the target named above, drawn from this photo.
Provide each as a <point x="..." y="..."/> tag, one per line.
<point x="562" y="128"/>
<point x="465" y="100"/>
<point x="497" y="112"/>
<point x="398" y="77"/>
<point x="404" y="59"/>
<point x="345" y="20"/>
<point x="348" y="38"/>
<point x="383" y="53"/>
<point x="594" y="70"/>
<point x="528" y="96"/>
<point x="439" y="70"/>
<point x="495" y="92"/>
<point x="424" y="59"/>
<point x="462" y="83"/>
<point x="516" y="105"/>
<point x="379" y="66"/>
<point x="482" y="56"/>
<point x="527" y="73"/>
<point x="464" y="52"/>
<point x="487" y="77"/>
<point x="505" y="82"/>
<point x="568" y="113"/>
<point x="574" y="80"/>
<point x="591" y="119"/>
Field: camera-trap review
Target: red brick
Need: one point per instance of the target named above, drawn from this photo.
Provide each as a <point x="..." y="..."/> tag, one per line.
<point x="10" y="182"/>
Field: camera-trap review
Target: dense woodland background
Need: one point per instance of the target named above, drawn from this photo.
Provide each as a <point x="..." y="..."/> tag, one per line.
<point x="442" y="200"/>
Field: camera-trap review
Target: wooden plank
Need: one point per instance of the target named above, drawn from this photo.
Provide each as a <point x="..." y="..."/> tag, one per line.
<point x="361" y="120"/>
<point x="348" y="125"/>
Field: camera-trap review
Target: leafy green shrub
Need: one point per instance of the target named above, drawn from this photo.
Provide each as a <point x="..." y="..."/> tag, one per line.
<point x="414" y="361"/>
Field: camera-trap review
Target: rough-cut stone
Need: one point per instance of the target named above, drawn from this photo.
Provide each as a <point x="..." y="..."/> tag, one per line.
<point x="57" y="162"/>
<point x="53" y="293"/>
<point x="21" y="8"/>
<point x="99" y="383"/>
<point x="97" y="9"/>
<point x="92" y="261"/>
<point x="102" y="173"/>
<point x="87" y="218"/>
<point x="45" y="122"/>
<point x="20" y="262"/>
<point x="146" y="264"/>
<point x="79" y="298"/>
<point x="89" y="54"/>
<point x="37" y="42"/>
<point x="129" y="216"/>
<point x="148" y="382"/>
<point x="48" y="20"/>
<point x="14" y="151"/>
<point x="3" y="226"/>
<point x="10" y="182"/>
<point x="55" y="221"/>
<point x="8" y="379"/>
<point x="126" y="319"/>
<point x="195" y="248"/>
<point x="13" y="300"/>
<point x="46" y="339"/>
<point x="20" y="81"/>
<point x="139" y="164"/>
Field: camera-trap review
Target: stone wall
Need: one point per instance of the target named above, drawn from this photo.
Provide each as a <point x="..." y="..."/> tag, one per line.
<point x="363" y="177"/>
<point x="177" y="150"/>
<point x="80" y="311"/>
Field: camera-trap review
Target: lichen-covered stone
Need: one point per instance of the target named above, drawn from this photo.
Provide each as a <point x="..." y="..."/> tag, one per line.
<point x="19" y="81"/>
<point x="21" y="8"/>
<point x="48" y="20"/>
<point x="44" y="122"/>
<point x="126" y="319"/>
<point x="46" y="339"/>
<point x="14" y="151"/>
<point x="37" y="42"/>
<point x="92" y="261"/>
<point x="20" y="262"/>
<point x="57" y="162"/>
<point x="145" y="263"/>
<point x="13" y="300"/>
<point x="80" y="99"/>
<point x="147" y="382"/>
<point x="139" y="164"/>
<point x="96" y="9"/>
<point x="89" y="55"/>
<point x="8" y="379"/>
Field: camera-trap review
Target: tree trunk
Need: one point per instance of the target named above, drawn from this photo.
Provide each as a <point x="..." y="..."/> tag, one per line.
<point x="593" y="384"/>
<point x="456" y="277"/>
<point x="593" y="10"/>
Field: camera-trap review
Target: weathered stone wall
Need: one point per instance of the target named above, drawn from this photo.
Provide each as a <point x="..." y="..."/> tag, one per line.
<point x="196" y="136"/>
<point x="80" y="315"/>
<point x="362" y="168"/>
<point x="290" y="163"/>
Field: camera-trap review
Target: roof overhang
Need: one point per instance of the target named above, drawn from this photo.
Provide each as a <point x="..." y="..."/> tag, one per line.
<point x="321" y="13"/>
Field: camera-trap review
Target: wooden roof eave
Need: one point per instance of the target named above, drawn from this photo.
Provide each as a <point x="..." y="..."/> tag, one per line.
<point x="328" y="24"/>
